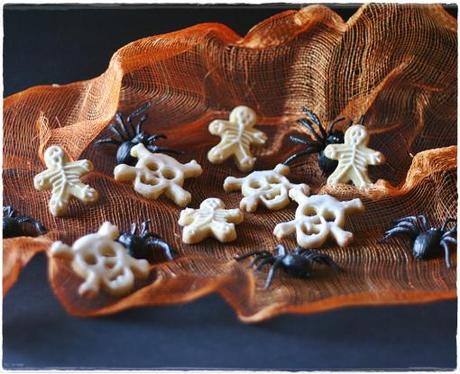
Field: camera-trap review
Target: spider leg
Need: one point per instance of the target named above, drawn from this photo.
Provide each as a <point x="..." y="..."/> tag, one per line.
<point x="139" y="124"/>
<point x="108" y="141"/>
<point x="155" y="149"/>
<point x="314" y="118"/>
<point x="280" y="250"/>
<point x="9" y="211"/>
<point x="155" y="137"/>
<point x="133" y="228"/>
<point x="361" y="120"/>
<point x="123" y="126"/>
<point x="144" y="228"/>
<point x="298" y="140"/>
<point x="265" y="261"/>
<point x="447" y="221"/>
<point x="258" y="258"/>
<point x="445" y="246"/>
<point x="255" y="253"/>
<point x="398" y="231"/>
<point x="309" y="150"/>
<point x="38" y="225"/>
<point x="165" y="247"/>
<point x="138" y="111"/>
<point x="117" y="132"/>
<point x="333" y="123"/>
<point x="304" y="122"/>
<point x="271" y="273"/>
<point x="408" y="225"/>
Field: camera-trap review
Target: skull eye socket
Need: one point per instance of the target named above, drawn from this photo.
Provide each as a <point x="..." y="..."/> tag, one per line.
<point x="309" y="211"/>
<point x="254" y="184"/>
<point x="273" y="179"/>
<point x="168" y="173"/>
<point x="107" y="252"/>
<point x="90" y="259"/>
<point x="329" y="216"/>
<point x="152" y="166"/>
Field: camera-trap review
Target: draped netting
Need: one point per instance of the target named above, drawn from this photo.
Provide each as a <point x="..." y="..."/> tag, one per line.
<point x="395" y="64"/>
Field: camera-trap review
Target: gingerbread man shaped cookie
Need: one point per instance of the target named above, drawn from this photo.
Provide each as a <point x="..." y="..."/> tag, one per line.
<point x="211" y="219"/>
<point x="63" y="177"/>
<point x="155" y="174"/>
<point x="102" y="262"/>
<point x="317" y="218"/>
<point x="237" y="136"/>
<point x="269" y="187"/>
<point x="353" y="156"/>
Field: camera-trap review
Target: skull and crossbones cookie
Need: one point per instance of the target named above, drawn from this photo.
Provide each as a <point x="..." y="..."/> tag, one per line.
<point x="268" y="187"/>
<point x="102" y="262"/>
<point x="317" y="218"/>
<point x="155" y="174"/>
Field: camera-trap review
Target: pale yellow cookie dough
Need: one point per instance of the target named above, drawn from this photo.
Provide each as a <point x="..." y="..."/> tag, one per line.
<point x="237" y="135"/>
<point x="317" y="218"/>
<point x="269" y="187"/>
<point x="353" y="156"/>
<point x="102" y="262"/>
<point x="155" y="174"/>
<point x="63" y="177"/>
<point x="211" y="219"/>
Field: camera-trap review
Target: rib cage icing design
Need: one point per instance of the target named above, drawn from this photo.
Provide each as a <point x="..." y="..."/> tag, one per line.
<point x="317" y="218"/>
<point x="155" y="174"/>
<point x="63" y="177"/>
<point x="353" y="157"/>
<point x="268" y="187"/>
<point x="102" y="262"/>
<point x="238" y="133"/>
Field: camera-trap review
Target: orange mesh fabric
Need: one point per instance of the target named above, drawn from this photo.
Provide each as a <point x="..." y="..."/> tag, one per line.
<point x="396" y="64"/>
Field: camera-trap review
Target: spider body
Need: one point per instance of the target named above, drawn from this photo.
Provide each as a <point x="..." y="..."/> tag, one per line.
<point x="13" y="225"/>
<point x="128" y="134"/>
<point x="319" y="141"/>
<point x="142" y="245"/>
<point x="428" y="242"/>
<point x="297" y="263"/>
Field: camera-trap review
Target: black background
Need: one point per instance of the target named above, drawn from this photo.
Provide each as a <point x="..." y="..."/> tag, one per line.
<point x="61" y="44"/>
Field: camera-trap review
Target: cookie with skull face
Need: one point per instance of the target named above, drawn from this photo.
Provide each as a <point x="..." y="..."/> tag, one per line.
<point x="211" y="219"/>
<point x="63" y="178"/>
<point x="354" y="157"/>
<point x="317" y="218"/>
<point x="102" y="262"/>
<point x="268" y="187"/>
<point x="237" y="135"/>
<point x="155" y="174"/>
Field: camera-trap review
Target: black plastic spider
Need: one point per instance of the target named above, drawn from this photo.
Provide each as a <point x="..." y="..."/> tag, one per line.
<point x="143" y="245"/>
<point x="427" y="241"/>
<point x="128" y="135"/>
<point x="13" y="225"/>
<point x="320" y="141"/>
<point x="297" y="263"/>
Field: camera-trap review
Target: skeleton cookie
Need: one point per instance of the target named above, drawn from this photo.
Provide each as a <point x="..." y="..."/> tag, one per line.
<point x="63" y="177"/>
<point x="102" y="261"/>
<point x="157" y="173"/>
<point x="212" y="219"/>
<point x="353" y="157"/>
<point x="269" y="187"/>
<point x="317" y="217"/>
<point x="237" y="136"/>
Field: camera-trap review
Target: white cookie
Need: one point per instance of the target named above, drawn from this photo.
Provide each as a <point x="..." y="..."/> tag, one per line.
<point x="353" y="156"/>
<point x="237" y="135"/>
<point x="102" y="262"/>
<point x="211" y="219"/>
<point x="155" y="174"/>
<point x="317" y="218"/>
<point x="269" y="187"/>
<point x="63" y="177"/>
